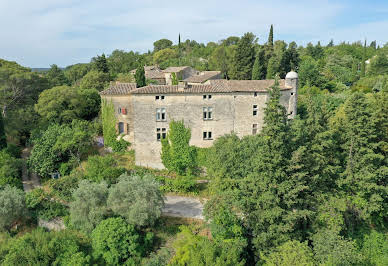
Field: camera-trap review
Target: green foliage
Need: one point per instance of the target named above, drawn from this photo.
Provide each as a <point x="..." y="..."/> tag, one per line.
<point x="162" y="44"/>
<point x="196" y="250"/>
<point x="103" y="168"/>
<point x="291" y="253"/>
<point x="76" y="72"/>
<point x="379" y="64"/>
<point x="174" y="79"/>
<point x="89" y="206"/>
<point x="375" y="248"/>
<point x="10" y="170"/>
<point x="259" y="71"/>
<point x="137" y="199"/>
<point x="64" y="104"/>
<point x="140" y="76"/>
<point x="118" y="243"/>
<point x="101" y="63"/>
<point x="59" y="144"/>
<point x="163" y="55"/>
<point x="332" y="249"/>
<point x="12" y="206"/>
<point x="180" y="184"/>
<point x="177" y="154"/>
<point x="41" y="205"/>
<point x="56" y="77"/>
<point x="48" y="248"/>
<point x="95" y="80"/>
<point x="244" y="57"/>
<point x="3" y="137"/>
<point x="62" y="188"/>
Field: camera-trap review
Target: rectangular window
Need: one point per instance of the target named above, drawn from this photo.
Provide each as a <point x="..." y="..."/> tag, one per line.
<point x="157" y="97"/>
<point x="204" y="97"/>
<point x="207" y="113"/>
<point x="119" y="110"/>
<point x="161" y="133"/>
<point x="292" y="93"/>
<point x="160" y="114"/>
<point x="207" y="135"/>
<point x="255" y="94"/>
<point x="162" y="97"/>
<point x="209" y="96"/>
<point x="255" y="110"/>
<point x="254" y="129"/>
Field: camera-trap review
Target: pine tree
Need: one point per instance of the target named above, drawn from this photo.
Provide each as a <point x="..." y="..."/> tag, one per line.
<point x="102" y="64"/>
<point x="3" y="139"/>
<point x="363" y="66"/>
<point x="140" y="76"/>
<point x="259" y="69"/>
<point x="331" y="43"/>
<point x="244" y="57"/>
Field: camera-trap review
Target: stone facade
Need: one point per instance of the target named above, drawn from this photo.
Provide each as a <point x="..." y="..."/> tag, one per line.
<point x="232" y="110"/>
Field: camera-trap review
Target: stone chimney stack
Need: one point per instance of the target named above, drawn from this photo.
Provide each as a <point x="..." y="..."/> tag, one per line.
<point x="291" y="81"/>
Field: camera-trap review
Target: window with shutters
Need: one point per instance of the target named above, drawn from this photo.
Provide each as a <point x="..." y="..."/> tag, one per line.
<point x="161" y="133"/>
<point x="161" y="114"/>
<point x="119" y="110"/>
<point x="124" y="111"/>
<point x="207" y="113"/>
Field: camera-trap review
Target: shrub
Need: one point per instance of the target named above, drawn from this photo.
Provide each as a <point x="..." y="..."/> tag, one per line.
<point x="290" y="253"/>
<point x="89" y="206"/>
<point x="43" y="206"/>
<point x="99" y="168"/>
<point x="12" y="206"/>
<point x="63" y="187"/>
<point x="10" y="170"/>
<point x="136" y="199"/>
<point x="119" y="243"/>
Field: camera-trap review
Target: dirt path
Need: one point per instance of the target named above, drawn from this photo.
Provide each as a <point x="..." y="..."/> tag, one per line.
<point x="30" y="181"/>
<point x="178" y="206"/>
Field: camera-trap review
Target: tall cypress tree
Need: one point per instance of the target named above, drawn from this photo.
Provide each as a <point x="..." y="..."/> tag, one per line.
<point x="140" y="76"/>
<point x="3" y="138"/>
<point x="102" y="64"/>
<point x="270" y="36"/>
<point x="259" y="67"/>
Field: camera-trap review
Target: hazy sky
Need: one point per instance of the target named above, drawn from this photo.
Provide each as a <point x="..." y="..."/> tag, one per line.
<point x="63" y="32"/>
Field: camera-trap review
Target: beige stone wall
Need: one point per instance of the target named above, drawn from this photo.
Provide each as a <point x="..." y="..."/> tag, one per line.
<point x="232" y="112"/>
<point x="123" y="102"/>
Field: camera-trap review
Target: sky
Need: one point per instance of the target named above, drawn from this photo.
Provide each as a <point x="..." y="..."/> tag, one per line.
<point x="64" y="32"/>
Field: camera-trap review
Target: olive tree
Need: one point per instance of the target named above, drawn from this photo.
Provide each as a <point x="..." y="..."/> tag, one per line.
<point x="12" y="206"/>
<point x="137" y="199"/>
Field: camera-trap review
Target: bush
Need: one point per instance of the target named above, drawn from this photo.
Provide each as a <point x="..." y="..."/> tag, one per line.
<point x="14" y="150"/>
<point x="136" y="199"/>
<point x="99" y="168"/>
<point x="181" y="184"/>
<point x="290" y="253"/>
<point x="12" y="206"/>
<point x="43" y="206"/>
<point x="10" y="170"/>
<point x="119" y="243"/>
<point x="63" y="187"/>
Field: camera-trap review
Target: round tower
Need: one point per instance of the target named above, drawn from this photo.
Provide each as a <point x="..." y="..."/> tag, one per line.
<point x="291" y="82"/>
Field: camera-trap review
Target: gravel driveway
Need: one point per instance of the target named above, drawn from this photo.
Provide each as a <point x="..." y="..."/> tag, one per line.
<point x="178" y="206"/>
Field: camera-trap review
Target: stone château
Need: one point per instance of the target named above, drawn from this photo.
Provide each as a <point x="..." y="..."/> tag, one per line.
<point x="210" y="109"/>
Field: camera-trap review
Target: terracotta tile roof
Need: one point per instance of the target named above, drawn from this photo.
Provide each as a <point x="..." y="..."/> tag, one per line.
<point x="119" y="89"/>
<point x="203" y="76"/>
<point x="214" y="87"/>
<point x="154" y="74"/>
<point x="174" y="69"/>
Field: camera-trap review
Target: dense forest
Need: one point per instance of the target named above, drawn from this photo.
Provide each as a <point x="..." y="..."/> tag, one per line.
<point x="307" y="191"/>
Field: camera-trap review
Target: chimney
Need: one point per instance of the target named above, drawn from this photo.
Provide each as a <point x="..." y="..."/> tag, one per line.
<point x="182" y="85"/>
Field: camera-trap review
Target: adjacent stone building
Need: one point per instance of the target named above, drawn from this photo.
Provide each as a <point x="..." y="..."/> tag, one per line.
<point x="211" y="110"/>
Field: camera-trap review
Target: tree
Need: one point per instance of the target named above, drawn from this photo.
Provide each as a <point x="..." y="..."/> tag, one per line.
<point x="165" y="55"/>
<point x="220" y="60"/>
<point x="363" y="63"/>
<point x="259" y="70"/>
<point x="64" y="104"/>
<point x="89" y="206"/>
<point x="174" y="79"/>
<point x="244" y="57"/>
<point x="379" y="64"/>
<point x="101" y="64"/>
<point x="56" y="77"/>
<point x="270" y="36"/>
<point x="136" y="199"/>
<point x="12" y="206"/>
<point x="177" y="154"/>
<point x="162" y="44"/>
<point x="375" y="248"/>
<point x="277" y="64"/>
<point x="95" y="80"/>
<point x="119" y="243"/>
<point x="290" y="253"/>
<point x="76" y="72"/>
<point x="60" y="144"/>
<point x="140" y="76"/>
<point x="332" y="249"/>
<point x="10" y="170"/>
<point x="3" y="138"/>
